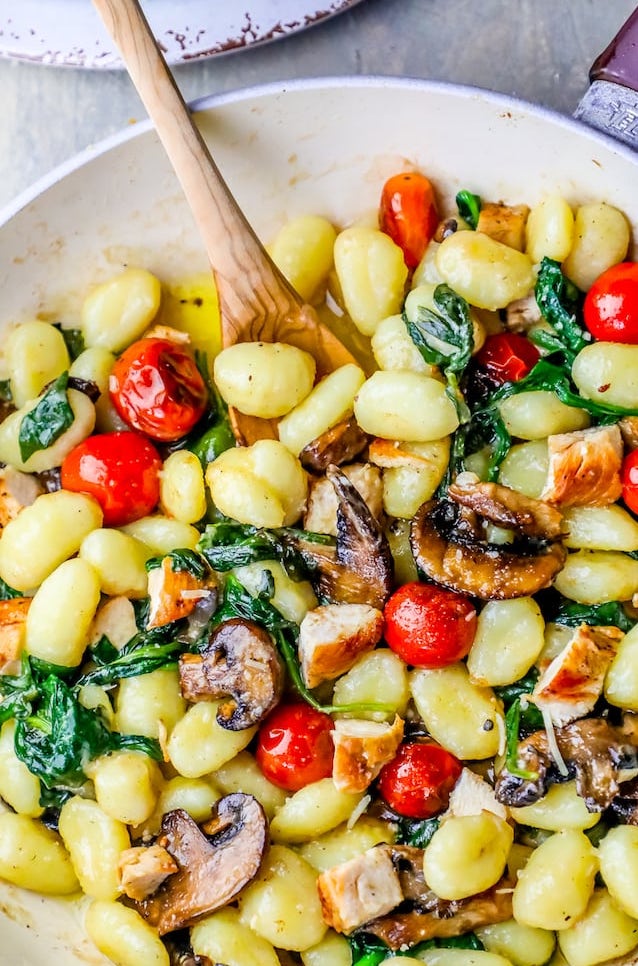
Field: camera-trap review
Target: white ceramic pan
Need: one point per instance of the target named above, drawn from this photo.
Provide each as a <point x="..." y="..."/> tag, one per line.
<point x="322" y="146"/>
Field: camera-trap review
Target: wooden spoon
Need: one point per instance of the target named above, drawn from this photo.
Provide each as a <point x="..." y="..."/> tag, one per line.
<point x="257" y="303"/>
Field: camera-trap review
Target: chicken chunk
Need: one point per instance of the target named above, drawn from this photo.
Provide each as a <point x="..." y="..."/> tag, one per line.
<point x="584" y="467"/>
<point x="321" y="513"/>
<point x="13" y="615"/>
<point x="173" y="594"/>
<point x="472" y="795"/>
<point x="359" y="890"/>
<point x="362" y="748"/>
<point x="142" y="870"/>
<point x="17" y="490"/>
<point x="332" y="637"/>
<point x="115" y="619"/>
<point x="504" y="223"/>
<point x="570" y="686"/>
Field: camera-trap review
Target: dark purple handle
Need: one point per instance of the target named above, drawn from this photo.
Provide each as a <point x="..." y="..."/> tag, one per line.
<point x="618" y="63"/>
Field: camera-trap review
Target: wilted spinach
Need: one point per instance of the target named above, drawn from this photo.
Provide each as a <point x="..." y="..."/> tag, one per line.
<point x="597" y="615"/>
<point x="48" y="419"/>
<point x="560" y="303"/>
<point x="416" y="832"/>
<point x="367" y="950"/>
<point x="228" y="544"/>
<point x="74" y="340"/>
<point x="181" y="560"/>
<point x="469" y="207"/>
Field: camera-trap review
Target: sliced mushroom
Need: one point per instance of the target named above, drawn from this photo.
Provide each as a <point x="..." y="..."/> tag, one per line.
<point x="239" y="662"/>
<point x="339" y="444"/>
<point x="595" y="752"/>
<point x="214" y="862"/>
<point x="360" y="569"/>
<point x="448" y="542"/>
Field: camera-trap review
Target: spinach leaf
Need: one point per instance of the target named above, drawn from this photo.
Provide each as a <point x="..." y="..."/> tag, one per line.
<point x="59" y="736"/>
<point x="18" y="691"/>
<point x="74" y="340"/>
<point x="508" y="693"/>
<point x="367" y="950"/>
<point x="46" y="422"/>
<point x="140" y="656"/>
<point x="214" y="440"/>
<point x="446" y="339"/>
<point x="228" y="544"/>
<point x="184" y="559"/>
<point x="6" y="592"/>
<point x="469" y="206"/>
<point x="416" y="832"/>
<point x="488" y="427"/>
<point x="610" y="613"/>
<point x="512" y="731"/>
<point x="547" y="375"/>
<point x="560" y="303"/>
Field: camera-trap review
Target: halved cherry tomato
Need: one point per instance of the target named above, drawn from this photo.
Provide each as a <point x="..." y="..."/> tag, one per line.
<point x="507" y="356"/>
<point x="610" y="309"/>
<point x="408" y="214"/>
<point x="629" y="478"/>
<point x="418" y="781"/>
<point x="429" y="626"/>
<point x="120" y="471"/>
<point x="157" y="389"/>
<point x="294" y="746"/>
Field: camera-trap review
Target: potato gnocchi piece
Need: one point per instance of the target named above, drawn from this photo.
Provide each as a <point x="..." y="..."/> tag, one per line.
<point x="467" y="854"/>
<point x="372" y="275"/>
<point x="116" y="312"/>
<point x="604" y="931"/>
<point x="601" y="239"/>
<point x="327" y="404"/>
<point x="483" y="271"/>
<point x="35" y="353"/>
<point x="265" y="379"/>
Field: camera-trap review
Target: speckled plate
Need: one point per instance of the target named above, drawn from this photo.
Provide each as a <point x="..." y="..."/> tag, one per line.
<point x="68" y="33"/>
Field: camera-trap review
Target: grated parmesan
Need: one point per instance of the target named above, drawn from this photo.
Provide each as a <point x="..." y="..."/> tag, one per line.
<point x="358" y="811"/>
<point x="554" y="750"/>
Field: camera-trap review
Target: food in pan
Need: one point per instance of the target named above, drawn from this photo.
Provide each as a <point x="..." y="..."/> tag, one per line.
<point x="365" y="690"/>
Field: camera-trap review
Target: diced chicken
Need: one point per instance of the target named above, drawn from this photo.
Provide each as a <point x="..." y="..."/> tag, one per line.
<point x="167" y="332"/>
<point x="13" y="615"/>
<point x="388" y="453"/>
<point x="333" y="636"/>
<point x="472" y="795"/>
<point x="321" y="512"/>
<point x="115" y="619"/>
<point x="522" y="314"/>
<point x="569" y="688"/>
<point x="584" y="467"/>
<point x="142" y="870"/>
<point x="173" y="594"/>
<point x="362" y="748"/>
<point x="17" y="490"/>
<point x="504" y="223"/>
<point x="359" y="890"/>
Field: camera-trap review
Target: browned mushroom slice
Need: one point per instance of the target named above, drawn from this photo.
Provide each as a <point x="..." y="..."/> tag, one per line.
<point x="508" y="508"/>
<point x="239" y="662"/>
<point x="339" y="444"/>
<point x="360" y="569"/>
<point x="593" y="751"/>
<point x="214" y="862"/>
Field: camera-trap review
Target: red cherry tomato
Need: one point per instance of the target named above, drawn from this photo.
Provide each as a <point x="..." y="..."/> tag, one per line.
<point x="429" y="626"/>
<point x="408" y="214"/>
<point x="294" y="746"/>
<point x="508" y="356"/>
<point x="611" y="305"/>
<point x="418" y="781"/>
<point x="629" y="478"/>
<point x="157" y="389"/>
<point x="120" y="471"/>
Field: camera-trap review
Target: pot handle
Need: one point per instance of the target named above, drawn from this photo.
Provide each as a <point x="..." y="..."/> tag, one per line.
<point x="611" y="103"/>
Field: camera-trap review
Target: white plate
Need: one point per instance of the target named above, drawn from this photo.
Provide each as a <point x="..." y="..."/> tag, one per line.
<point x="69" y="32"/>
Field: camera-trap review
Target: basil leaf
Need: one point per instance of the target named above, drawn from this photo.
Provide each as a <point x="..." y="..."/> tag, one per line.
<point x="46" y="422"/>
<point x="469" y="206"/>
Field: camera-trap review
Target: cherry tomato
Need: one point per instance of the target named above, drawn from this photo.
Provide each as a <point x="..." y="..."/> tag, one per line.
<point x="418" y="781"/>
<point x="429" y="626"/>
<point x="408" y="214"/>
<point x="120" y="471"/>
<point x="508" y="356"/>
<point x="294" y="746"/>
<point x="629" y="478"/>
<point x="157" y="389"/>
<point x="611" y="305"/>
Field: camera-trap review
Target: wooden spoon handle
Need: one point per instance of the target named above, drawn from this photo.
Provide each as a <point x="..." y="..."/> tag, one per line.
<point x="244" y="273"/>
